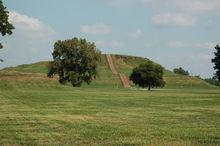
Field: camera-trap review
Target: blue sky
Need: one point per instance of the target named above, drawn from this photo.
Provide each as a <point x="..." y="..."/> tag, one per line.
<point x="173" y="33"/>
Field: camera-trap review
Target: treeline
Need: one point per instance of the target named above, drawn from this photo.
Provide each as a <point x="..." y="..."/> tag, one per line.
<point x="181" y="71"/>
<point x="212" y="81"/>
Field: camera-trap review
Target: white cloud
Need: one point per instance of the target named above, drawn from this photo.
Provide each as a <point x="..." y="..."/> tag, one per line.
<point x="116" y="44"/>
<point x="29" y="27"/>
<point x="97" y="29"/>
<point x="206" y="45"/>
<point x="124" y="2"/>
<point x="31" y="41"/>
<point x="202" y="56"/>
<point x="182" y="45"/>
<point x="24" y="21"/>
<point x="176" y="44"/>
<point x="168" y="19"/>
<point x="196" y="45"/>
<point x="109" y="44"/>
<point x="136" y="34"/>
<point x="187" y="6"/>
<point x="200" y="45"/>
<point x="127" y="2"/>
<point x="197" y="6"/>
<point x="148" y="45"/>
<point x="174" y="12"/>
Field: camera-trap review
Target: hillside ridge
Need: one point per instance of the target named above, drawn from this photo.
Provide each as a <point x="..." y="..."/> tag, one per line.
<point x="36" y="74"/>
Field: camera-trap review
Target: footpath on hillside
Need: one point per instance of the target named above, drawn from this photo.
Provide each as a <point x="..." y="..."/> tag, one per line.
<point x="122" y="76"/>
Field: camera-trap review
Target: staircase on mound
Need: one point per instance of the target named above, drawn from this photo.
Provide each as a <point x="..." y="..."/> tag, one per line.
<point x="111" y="64"/>
<point x="122" y="77"/>
<point x="124" y="81"/>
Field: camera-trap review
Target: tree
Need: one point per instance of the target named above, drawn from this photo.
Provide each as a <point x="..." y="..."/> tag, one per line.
<point x="74" y="61"/>
<point x="5" y="26"/>
<point x="148" y="75"/>
<point x="181" y="71"/>
<point x="216" y="61"/>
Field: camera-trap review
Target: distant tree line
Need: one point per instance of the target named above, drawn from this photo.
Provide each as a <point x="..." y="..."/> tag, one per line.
<point x="181" y="71"/>
<point x="212" y="81"/>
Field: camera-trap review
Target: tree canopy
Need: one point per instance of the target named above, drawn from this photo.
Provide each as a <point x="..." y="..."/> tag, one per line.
<point x="148" y="75"/>
<point x="181" y="71"/>
<point x="5" y="26"/>
<point x="216" y="62"/>
<point x="74" y="61"/>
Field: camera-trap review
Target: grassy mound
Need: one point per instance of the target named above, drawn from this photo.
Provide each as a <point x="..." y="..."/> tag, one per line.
<point x="125" y="64"/>
<point x="36" y="110"/>
<point x="34" y="75"/>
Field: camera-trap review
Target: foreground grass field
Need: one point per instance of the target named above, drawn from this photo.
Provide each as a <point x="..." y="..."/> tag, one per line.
<point x="35" y="110"/>
<point x="110" y="117"/>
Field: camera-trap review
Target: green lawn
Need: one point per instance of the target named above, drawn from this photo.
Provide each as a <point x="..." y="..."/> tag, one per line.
<point x="87" y="116"/>
<point x="35" y="110"/>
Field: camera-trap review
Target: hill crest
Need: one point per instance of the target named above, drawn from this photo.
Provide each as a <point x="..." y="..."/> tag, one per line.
<point x="36" y="73"/>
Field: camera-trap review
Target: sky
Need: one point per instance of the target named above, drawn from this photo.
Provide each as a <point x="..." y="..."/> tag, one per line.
<point x="173" y="33"/>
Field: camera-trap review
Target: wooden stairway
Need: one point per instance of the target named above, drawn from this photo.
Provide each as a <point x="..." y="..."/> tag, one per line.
<point x="111" y="64"/>
<point x="122" y="77"/>
<point x="125" y="81"/>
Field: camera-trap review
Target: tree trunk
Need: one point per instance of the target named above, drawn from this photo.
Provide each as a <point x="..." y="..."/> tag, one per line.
<point x="149" y="88"/>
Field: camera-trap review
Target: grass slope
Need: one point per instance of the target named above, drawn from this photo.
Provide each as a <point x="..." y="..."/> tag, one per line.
<point x="35" y="110"/>
<point x="123" y="64"/>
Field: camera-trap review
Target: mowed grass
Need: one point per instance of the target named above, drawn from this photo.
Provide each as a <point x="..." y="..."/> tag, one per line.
<point x="35" y="110"/>
<point x="86" y="116"/>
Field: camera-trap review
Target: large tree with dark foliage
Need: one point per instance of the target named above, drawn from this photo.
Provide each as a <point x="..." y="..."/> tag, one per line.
<point x="5" y="26"/>
<point x="74" y="61"/>
<point x="148" y="75"/>
<point x="216" y="61"/>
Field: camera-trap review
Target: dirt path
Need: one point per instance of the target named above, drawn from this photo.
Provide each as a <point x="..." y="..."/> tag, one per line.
<point x="122" y="77"/>
<point x="125" y="81"/>
<point x="111" y="64"/>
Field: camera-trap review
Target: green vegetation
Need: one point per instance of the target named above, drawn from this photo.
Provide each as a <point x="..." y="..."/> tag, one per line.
<point x="212" y="81"/>
<point x="5" y="26"/>
<point x="39" y="67"/>
<point x="125" y="64"/>
<point x="148" y="74"/>
<point x="74" y="61"/>
<point x="180" y="71"/>
<point x="216" y="61"/>
<point x="36" y="110"/>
